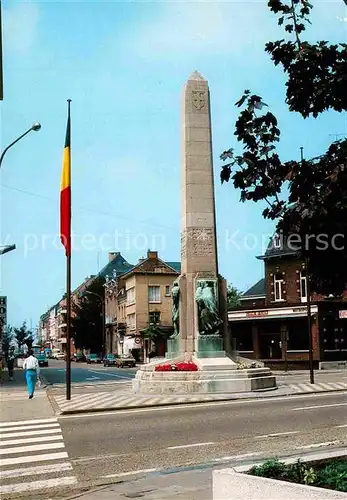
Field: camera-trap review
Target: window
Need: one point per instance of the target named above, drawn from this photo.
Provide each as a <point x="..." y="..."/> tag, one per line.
<point x="131" y="296"/>
<point x="154" y="293"/>
<point x="278" y="287"/>
<point x="277" y="241"/>
<point x="131" y="321"/>
<point x="303" y="286"/>
<point x="167" y="291"/>
<point x="154" y="317"/>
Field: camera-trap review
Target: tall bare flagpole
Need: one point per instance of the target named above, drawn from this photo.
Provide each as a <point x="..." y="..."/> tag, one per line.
<point x="308" y="293"/>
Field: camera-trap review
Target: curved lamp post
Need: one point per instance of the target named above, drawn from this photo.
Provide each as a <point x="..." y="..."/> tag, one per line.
<point x="35" y="127"/>
<point x="87" y="292"/>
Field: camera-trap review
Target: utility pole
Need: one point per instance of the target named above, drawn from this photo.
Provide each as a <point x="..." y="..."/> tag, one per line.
<point x="308" y="292"/>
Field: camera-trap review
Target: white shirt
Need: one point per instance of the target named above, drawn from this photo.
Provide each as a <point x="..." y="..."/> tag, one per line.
<point x="31" y="363"/>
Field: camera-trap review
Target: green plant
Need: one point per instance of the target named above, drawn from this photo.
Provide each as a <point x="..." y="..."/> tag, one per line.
<point x="310" y="476"/>
<point x="272" y="468"/>
<point x="333" y="476"/>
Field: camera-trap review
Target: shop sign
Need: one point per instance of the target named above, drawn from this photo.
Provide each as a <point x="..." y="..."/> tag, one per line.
<point x="257" y="314"/>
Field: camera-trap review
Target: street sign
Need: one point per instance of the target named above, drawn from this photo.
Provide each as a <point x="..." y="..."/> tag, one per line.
<point x="3" y="310"/>
<point x="343" y="314"/>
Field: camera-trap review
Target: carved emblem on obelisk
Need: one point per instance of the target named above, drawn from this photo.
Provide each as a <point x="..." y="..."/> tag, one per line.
<point x="198" y="99"/>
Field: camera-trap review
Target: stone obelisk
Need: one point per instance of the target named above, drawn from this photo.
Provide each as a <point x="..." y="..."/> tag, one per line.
<point x="199" y="296"/>
<point x="198" y="222"/>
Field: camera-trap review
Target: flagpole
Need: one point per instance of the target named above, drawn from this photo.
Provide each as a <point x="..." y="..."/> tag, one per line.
<point x="68" y="291"/>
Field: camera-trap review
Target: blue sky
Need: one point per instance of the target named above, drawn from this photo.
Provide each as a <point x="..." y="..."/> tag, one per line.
<point x="124" y="65"/>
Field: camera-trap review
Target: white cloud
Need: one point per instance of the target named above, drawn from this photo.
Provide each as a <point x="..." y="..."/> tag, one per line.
<point x="20" y="25"/>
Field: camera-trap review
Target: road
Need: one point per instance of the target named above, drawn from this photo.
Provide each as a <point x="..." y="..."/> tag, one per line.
<point x="102" y="446"/>
<point x="84" y="373"/>
<point x="45" y="456"/>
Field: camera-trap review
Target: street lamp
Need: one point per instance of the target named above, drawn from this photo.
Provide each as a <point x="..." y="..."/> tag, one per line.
<point x="35" y="127"/>
<point x="102" y="302"/>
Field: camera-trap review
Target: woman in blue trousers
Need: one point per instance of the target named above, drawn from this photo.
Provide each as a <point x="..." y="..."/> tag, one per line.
<point x="32" y="372"/>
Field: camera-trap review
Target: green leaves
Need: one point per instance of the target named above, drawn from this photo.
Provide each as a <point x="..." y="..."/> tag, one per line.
<point x="87" y="320"/>
<point x="309" y="197"/>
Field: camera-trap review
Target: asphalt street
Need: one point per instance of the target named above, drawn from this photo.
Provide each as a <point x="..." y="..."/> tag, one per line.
<point x="84" y="373"/>
<point x="111" y="445"/>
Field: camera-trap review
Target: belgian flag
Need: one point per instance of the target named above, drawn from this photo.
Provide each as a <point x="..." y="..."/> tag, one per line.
<point x="65" y="191"/>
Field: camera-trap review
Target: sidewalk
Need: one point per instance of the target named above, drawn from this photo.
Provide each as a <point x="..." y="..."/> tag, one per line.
<point x="125" y="399"/>
<point x="189" y="483"/>
<point x="15" y="404"/>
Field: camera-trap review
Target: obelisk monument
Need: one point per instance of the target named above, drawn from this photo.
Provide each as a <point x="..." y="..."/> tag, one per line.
<point x="199" y="310"/>
<point x="199" y="328"/>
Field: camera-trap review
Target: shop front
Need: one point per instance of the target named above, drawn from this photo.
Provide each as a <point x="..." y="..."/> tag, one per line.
<point x="275" y="335"/>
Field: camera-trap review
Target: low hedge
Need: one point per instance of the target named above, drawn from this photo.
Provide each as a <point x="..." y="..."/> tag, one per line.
<point x="328" y="474"/>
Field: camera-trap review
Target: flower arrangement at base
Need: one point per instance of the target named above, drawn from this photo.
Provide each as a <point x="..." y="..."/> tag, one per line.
<point x="178" y="367"/>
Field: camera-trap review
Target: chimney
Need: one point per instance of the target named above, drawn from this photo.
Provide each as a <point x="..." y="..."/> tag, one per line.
<point x="152" y="255"/>
<point x="112" y="256"/>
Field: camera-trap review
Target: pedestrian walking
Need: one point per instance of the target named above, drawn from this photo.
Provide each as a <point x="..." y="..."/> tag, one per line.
<point x="32" y="372"/>
<point x="10" y="363"/>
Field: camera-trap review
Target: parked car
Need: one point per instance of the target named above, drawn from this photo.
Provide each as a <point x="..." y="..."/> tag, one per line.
<point x="42" y="359"/>
<point x="125" y="360"/>
<point x="59" y="355"/>
<point x="110" y="360"/>
<point x="79" y="357"/>
<point x="93" y="358"/>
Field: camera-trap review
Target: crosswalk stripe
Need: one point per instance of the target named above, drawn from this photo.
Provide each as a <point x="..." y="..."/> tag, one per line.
<point x="33" y="458"/>
<point x="7" y="442"/>
<point x="34" y="447"/>
<point x="38" y="485"/>
<point x="325" y="386"/>
<point x="29" y="427"/>
<point x="31" y="471"/>
<point x="340" y="385"/>
<point x="41" y="432"/>
<point x="28" y="422"/>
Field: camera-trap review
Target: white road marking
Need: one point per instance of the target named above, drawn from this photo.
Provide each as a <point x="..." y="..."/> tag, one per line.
<point x="28" y="422"/>
<point x="34" y="447"/>
<point x="111" y="374"/>
<point x="58" y="437"/>
<point x="38" y="485"/>
<point x="277" y="434"/>
<point x="93" y="378"/>
<point x="29" y="427"/>
<point x="317" y="445"/>
<point x="131" y="473"/>
<point x="190" y="445"/>
<point x="204" y="405"/>
<point x="42" y="432"/>
<point x="33" y="458"/>
<point x="238" y="457"/>
<point x="40" y="469"/>
<point x="340" y="426"/>
<point x="316" y="407"/>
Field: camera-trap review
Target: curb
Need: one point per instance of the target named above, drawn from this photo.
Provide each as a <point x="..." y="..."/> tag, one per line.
<point x="134" y="406"/>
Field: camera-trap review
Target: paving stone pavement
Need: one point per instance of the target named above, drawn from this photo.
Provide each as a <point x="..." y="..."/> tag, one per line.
<point x="125" y="399"/>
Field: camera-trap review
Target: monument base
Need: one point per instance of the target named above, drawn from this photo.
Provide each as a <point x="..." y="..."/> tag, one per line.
<point x="219" y="375"/>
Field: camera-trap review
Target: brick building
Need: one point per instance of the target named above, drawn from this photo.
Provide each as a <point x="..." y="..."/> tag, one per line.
<point x="137" y="299"/>
<point x="271" y="324"/>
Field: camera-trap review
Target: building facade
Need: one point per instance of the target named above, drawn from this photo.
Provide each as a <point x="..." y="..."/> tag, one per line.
<point x="271" y="324"/>
<point x="138" y="308"/>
